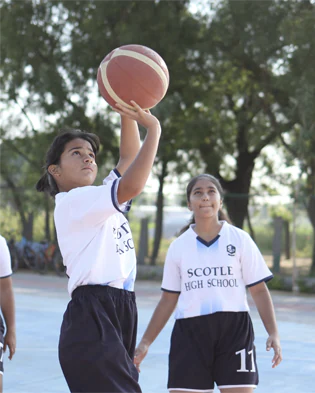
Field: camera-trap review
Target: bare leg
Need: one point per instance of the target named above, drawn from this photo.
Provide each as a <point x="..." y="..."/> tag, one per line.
<point x="237" y="390"/>
<point x="1" y="383"/>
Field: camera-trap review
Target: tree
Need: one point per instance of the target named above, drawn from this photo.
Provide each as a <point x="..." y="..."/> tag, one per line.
<point x="54" y="74"/>
<point x="242" y="43"/>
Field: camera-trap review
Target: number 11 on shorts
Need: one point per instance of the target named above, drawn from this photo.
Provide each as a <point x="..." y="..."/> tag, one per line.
<point x="243" y="368"/>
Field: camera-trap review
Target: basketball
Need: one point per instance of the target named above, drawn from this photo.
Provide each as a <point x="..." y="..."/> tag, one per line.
<point x="133" y="72"/>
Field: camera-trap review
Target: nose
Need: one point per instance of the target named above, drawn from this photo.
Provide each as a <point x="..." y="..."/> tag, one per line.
<point x="205" y="197"/>
<point x="88" y="159"/>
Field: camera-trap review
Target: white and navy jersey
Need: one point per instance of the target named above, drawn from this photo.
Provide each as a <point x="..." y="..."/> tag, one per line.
<point x="212" y="277"/>
<point x="94" y="236"/>
<point x="5" y="259"/>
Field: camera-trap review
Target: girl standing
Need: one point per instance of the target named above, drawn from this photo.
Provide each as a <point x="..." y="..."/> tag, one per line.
<point x="206" y="272"/>
<point x="7" y="307"/>
<point x="98" y="331"/>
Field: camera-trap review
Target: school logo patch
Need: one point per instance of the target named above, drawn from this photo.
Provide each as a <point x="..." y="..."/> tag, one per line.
<point x="231" y="250"/>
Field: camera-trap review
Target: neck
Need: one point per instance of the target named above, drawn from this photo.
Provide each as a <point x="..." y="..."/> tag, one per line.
<point x="208" y="229"/>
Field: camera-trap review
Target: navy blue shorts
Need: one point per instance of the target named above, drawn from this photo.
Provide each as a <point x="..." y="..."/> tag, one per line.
<point x="216" y="348"/>
<point x="97" y="341"/>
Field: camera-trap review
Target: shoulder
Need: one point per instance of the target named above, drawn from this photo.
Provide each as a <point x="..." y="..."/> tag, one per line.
<point x="235" y="231"/>
<point x="3" y="242"/>
<point x="113" y="175"/>
<point x="180" y="244"/>
<point x="4" y="249"/>
<point x="182" y="239"/>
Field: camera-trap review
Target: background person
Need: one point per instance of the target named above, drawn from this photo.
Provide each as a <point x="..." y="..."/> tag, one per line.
<point x="206" y="272"/>
<point x="8" y="335"/>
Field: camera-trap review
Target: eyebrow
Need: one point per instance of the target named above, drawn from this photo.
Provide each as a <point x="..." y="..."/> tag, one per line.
<point x="78" y="148"/>
<point x="200" y="188"/>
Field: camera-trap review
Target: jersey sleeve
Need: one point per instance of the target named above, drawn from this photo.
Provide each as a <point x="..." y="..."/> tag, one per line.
<point x="254" y="267"/>
<point x="114" y="176"/>
<point x="171" y="275"/>
<point x="92" y="205"/>
<point x="5" y="259"/>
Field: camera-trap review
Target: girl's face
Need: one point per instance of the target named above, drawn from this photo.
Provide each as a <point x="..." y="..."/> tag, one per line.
<point x="205" y="200"/>
<point x="77" y="167"/>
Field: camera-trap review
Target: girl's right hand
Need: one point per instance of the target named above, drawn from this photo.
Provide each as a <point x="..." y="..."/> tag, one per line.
<point x="140" y="354"/>
<point x="143" y="117"/>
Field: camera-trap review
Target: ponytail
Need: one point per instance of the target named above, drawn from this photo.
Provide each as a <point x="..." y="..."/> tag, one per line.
<point x="47" y="184"/>
<point x="184" y="229"/>
<point x="224" y="216"/>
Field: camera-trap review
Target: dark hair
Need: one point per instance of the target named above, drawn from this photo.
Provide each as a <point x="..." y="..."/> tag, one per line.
<point x="190" y="186"/>
<point x="47" y="183"/>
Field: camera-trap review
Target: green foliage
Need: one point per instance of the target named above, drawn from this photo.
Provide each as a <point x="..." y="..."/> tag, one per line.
<point x="278" y="283"/>
<point x="240" y="79"/>
<point x="10" y="226"/>
<point x="281" y="211"/>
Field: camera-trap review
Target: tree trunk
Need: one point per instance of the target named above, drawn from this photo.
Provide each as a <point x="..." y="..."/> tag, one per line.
<point x="287" y="243"/>
<point x="276" y="244"/>
<point x="312" y="271"/>
<point x="159" y="216"/>
<point x="237" y="190"/>
<point x="18" y="203"/>
<point x="143" y="241"/>
<point x="251" y="229"/>
<point x="27" y="230"/>
<point x="311" y="214"/>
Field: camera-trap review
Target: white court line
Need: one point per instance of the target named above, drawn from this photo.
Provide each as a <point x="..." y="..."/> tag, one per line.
<point x="18" y="349"/>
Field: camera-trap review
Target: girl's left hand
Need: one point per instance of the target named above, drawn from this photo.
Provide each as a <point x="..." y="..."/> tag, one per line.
<point x="273" y="341"/>
<point x="140" y="353"/>
<point x="10" y="342"/>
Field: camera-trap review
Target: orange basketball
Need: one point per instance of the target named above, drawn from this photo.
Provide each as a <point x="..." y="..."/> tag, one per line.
<point x="133" y="72"/>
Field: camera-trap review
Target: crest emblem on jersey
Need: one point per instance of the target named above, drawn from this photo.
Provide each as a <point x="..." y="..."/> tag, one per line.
<point x="231" y="250"/>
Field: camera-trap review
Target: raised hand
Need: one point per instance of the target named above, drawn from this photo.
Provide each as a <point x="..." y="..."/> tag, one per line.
<point x="143" y="117"/>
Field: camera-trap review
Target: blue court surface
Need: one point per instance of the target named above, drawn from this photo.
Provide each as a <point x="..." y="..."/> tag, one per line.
<point x="41" y="301"/>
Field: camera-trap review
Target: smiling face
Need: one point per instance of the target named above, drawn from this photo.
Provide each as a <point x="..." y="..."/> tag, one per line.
<point x="77" y="166"/>
<point x="205" y="199"/>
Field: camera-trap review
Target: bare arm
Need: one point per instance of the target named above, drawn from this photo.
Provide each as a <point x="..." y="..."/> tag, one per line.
<point x="129" y="143"/>
<point x="134" y="179"/>
<point x="263" y="301"/>
<point x="8" y="311"/>
<point x="161" y="315"/>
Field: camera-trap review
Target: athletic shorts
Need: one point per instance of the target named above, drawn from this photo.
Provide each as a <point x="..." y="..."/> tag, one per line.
<point x="97" y="341"/>
<point x="1" y="344"/>
<point x="215" y="348"/>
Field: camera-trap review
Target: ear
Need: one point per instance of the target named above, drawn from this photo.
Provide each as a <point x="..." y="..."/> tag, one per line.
<point x="189" y="206"/>
<point x="54" y="170"/>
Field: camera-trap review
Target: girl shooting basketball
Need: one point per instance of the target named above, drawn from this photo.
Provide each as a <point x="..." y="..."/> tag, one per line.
<point x="98" y="331"/>
<point x="206" y="272"/>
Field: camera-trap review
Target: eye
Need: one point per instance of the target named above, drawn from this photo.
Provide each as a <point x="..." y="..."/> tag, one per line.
<point x="76" y="152"/>
<point x="196" y="192"/>
<point x="92" y="155"/>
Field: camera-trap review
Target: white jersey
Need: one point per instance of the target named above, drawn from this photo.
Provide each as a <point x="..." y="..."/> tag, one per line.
<point x="94" y="236"/>
<point x="212" y="277"/>
<point x="5" y="259"/>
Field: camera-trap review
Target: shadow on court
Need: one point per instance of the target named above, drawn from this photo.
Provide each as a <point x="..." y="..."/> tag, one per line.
<point x="41" y="301"/>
